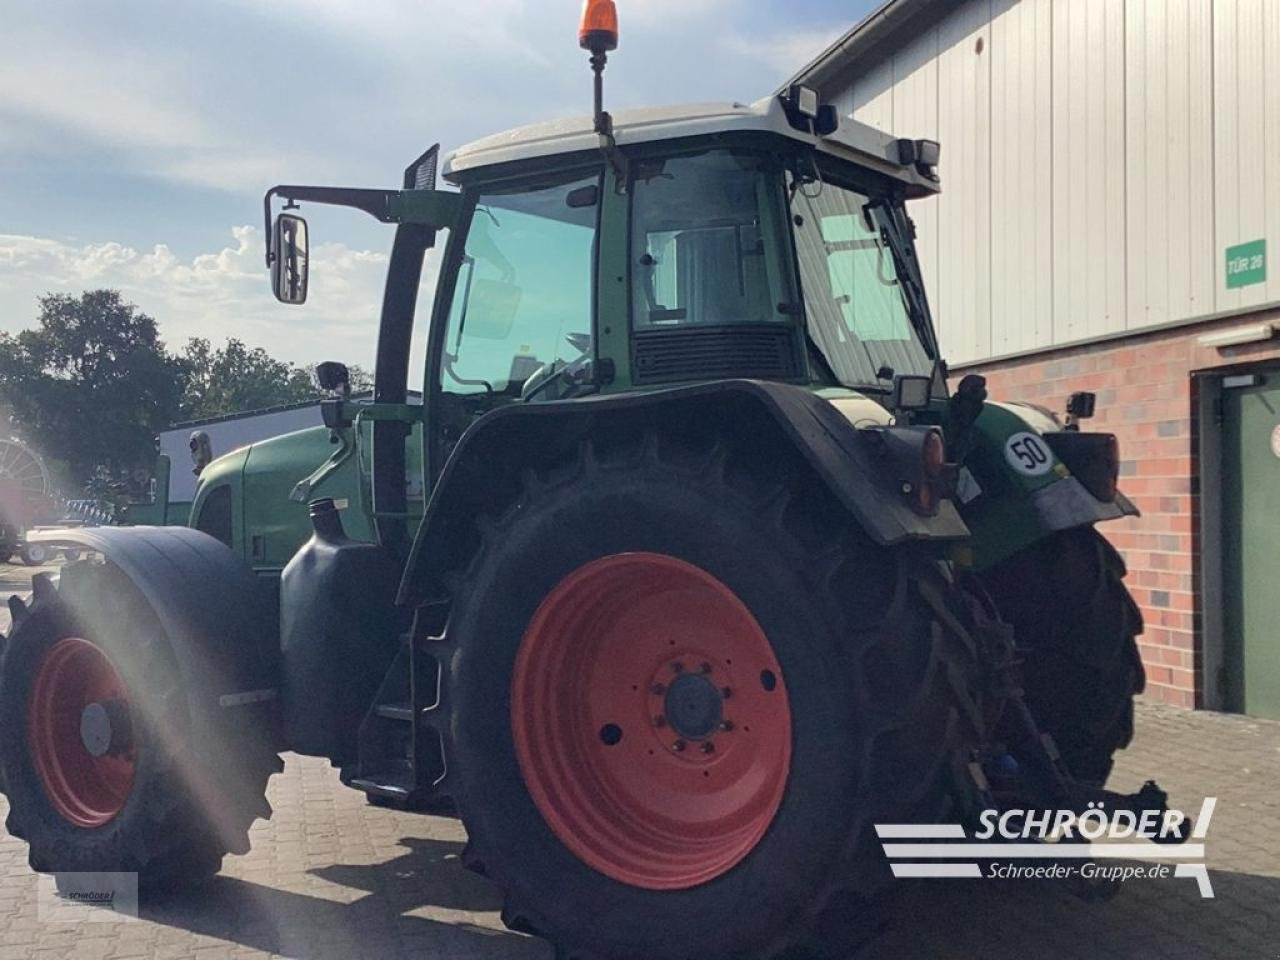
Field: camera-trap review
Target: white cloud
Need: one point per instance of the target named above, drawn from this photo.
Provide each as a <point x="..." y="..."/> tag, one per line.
<point x="785" y="53"/>
<point x="208" y="100"/>
<point x="111" y="115"/>
<point x="219" y="294"/>
<point x="408" y="28"/>
<point x="237" y="169"/>
<point x="657" y="12"/>
<point x="108" y="113"/>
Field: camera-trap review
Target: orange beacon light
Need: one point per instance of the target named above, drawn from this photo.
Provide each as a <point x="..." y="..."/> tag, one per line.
<point x="599" y="30"/>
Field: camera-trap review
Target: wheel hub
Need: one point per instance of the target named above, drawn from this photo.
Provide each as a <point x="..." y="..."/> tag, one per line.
<point x="105" y="728"/>
<point x="650" y="720"/>
<point x="80" y="733"/>
<point x="693" y="706"/>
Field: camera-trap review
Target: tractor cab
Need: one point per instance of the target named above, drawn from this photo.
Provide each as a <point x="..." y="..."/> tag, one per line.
<point x="682" y="245"/>
<point x="701" y="243"/>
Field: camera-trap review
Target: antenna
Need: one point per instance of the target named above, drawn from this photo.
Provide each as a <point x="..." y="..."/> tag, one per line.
<point x="599" y="34"/>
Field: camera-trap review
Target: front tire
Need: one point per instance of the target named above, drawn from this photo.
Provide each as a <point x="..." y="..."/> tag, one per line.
<point x="622" y="818"/>
<point x="101" y="759"/>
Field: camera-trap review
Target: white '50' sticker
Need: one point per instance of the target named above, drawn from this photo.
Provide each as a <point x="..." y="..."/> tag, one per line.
<point x="1029" y="454"/>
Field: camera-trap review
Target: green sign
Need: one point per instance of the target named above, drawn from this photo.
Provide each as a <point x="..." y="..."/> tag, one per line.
<point x="1246" y="264"/>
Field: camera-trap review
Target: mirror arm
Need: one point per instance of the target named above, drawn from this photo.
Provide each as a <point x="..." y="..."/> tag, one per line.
<point x="434" y="208"/>
<point x="373" y="202"/>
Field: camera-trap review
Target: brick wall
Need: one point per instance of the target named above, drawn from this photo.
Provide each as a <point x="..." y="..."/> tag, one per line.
<point x="1144" y="386"/>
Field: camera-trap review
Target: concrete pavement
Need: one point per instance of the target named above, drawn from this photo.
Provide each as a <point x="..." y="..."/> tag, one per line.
<point x="330" y="878"/>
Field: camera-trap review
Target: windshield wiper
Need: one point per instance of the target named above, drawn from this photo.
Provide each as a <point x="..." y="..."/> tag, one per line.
<point x="908" y="273"/>
<point x="577" y="378"/>
<point x="575" y="373"/>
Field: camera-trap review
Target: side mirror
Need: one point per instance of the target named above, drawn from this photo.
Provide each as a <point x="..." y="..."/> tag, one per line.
<point x="289" y="259"/>
<point x="333" y="377"/>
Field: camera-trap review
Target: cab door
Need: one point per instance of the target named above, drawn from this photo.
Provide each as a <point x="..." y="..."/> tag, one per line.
<point x="516" y="322"/>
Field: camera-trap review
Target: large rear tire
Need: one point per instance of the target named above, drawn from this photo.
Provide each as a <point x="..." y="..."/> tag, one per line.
<point x="101" y="759"/>
<point x="1076" y="627"/>
<point x="625" y="803"/>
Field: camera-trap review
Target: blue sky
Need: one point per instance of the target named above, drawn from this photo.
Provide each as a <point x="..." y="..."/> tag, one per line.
<point x="137" y="137"/>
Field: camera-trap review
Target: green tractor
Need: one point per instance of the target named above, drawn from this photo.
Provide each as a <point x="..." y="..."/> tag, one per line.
<point x="690" y="568"/>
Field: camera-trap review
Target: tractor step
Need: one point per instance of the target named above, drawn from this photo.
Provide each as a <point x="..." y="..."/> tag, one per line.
<point x="392" y="785"/>
<point x="395" y="711"/>
<point x="400" y="756"/>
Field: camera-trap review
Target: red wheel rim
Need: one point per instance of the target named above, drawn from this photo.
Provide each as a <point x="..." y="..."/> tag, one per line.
<point x="650" y="719"/>
<point x="85" y="789"/>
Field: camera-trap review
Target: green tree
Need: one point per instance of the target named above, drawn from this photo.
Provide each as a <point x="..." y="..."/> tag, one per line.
<point x="235" y="378"/>
<point x="92" y="384"/>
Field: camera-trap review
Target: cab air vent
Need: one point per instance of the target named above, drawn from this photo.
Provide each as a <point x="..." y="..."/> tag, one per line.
<point x="716" y="353"/>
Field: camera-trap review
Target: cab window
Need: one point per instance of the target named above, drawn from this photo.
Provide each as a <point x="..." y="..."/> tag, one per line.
<point x="522" y="298"/>
<point x="705" y="250"/>
<point x="855" y="302"/>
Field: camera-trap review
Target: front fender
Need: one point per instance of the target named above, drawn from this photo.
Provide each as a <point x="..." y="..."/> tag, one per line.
<point x="483" y="473"/>
<point x="210" y="604"/>
<point x="1010" y="497"/>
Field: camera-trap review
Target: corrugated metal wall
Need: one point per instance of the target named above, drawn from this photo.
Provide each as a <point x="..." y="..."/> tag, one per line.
<point x="1099" y="156"/>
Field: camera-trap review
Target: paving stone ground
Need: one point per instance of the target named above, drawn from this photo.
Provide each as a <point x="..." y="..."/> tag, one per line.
<point x="330" y="878"/>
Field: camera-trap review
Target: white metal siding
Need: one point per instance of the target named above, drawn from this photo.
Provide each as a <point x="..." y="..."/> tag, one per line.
<point x="964" y="221"/>
<point x="1172" y="254"/>
<point x="1088" y="168"/>
<point x="1022" y="190"/>
<point x="1099" y="156"/>
<point x="1247" y="111"/>
<point x="915" y="94"/>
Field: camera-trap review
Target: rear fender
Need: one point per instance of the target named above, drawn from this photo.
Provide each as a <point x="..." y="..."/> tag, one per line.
<point x="1013" y="493"/>
<point x="211" y="606"/>
<point x="484" y="472"/>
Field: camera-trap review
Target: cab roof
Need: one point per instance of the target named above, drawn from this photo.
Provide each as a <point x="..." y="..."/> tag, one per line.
<point x="853" y="141"/>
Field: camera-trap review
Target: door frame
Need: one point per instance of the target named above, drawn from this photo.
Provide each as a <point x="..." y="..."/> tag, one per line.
<point x="1207" y="390"/>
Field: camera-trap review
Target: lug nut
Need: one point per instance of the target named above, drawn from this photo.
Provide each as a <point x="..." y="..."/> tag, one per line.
<point x="657" y="689"/>
<point x="704" y="668"/>
<point x="659" y="721"/>
<point x="726" y="693"/>
<point x="708" y="747"/>
<point x="678" y="746"/>
<point x="677" y="667"/>
<point x="726" y="725"/>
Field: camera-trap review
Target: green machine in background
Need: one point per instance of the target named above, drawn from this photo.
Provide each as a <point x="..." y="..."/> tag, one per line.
<point x="208" y="465"/>
<point x="691" y="566"/>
